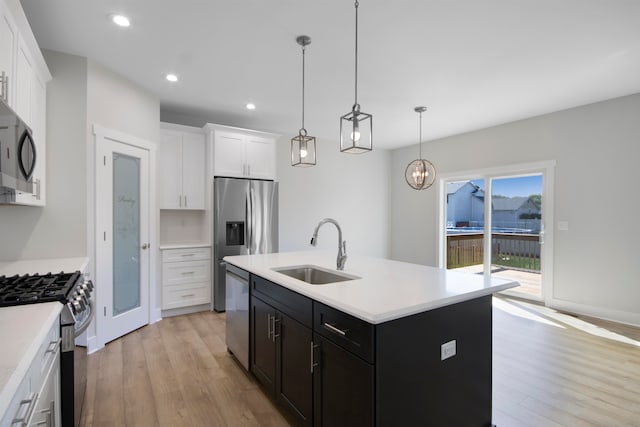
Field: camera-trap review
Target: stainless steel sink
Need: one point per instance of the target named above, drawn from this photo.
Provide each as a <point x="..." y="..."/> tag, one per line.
<point x="314" y="275"/>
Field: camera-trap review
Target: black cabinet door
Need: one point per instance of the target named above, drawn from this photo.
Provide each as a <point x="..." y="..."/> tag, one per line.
<point x="343" y="387"/>
<point x="294" y="388"/>
<point x="263" y="348"/>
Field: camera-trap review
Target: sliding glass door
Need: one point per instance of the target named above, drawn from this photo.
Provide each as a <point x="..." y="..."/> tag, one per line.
<point x="493" y="224"/>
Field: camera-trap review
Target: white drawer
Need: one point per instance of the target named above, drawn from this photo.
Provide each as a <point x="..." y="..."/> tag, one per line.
<point x="31" y="384"/>
<point x="185" y="295"/>
<point x="179" y="273"/>
<point x="46" y="354"/>
<point x="188" y="254"/>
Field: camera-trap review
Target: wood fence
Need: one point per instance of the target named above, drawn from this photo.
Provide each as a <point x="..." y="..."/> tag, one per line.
<point x="515" y="251"/>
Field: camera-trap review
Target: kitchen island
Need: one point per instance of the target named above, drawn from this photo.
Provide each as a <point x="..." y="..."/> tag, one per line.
<point x="400" y="344"/>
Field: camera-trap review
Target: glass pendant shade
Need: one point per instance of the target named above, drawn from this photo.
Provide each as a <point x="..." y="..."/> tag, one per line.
<point x="303" y="150"/>
<point x="355" y="132"/>
<point x="420" y="174"/>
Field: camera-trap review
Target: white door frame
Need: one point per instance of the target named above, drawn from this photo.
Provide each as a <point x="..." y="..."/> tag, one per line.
<point x="102" y="134"/>
<point x="547" y="168"/>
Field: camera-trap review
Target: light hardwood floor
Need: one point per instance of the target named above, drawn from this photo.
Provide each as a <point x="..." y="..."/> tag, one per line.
<point x="547" y="372"/>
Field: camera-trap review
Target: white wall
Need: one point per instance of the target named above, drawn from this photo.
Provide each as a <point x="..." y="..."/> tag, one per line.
<point x="597" y="149"/>
<point x="57" y="230"/>
<point x="351" y="188"/>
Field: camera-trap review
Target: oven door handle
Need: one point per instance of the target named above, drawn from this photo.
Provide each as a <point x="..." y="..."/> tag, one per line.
<point x="83" y="327"/>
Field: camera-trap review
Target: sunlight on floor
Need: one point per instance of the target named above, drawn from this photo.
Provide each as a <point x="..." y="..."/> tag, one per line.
<point x="528" y="310"/>
<point x="511" y="307"/>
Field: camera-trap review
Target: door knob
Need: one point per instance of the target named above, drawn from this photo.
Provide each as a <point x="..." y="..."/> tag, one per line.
<point x="145" y="245"/>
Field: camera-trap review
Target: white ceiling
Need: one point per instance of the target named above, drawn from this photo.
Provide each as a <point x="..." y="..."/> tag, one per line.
<point x="473" y="63"/>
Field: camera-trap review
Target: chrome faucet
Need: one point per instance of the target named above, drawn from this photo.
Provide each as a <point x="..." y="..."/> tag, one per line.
<point x="342" y="245"/>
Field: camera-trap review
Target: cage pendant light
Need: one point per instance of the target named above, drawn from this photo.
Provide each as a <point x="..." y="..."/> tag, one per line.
<point x="420" y="173"/>
<point x="356" y="135"/>
<point x="303" y="146"/>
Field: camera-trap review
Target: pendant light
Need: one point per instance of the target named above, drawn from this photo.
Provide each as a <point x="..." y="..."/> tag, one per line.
<point x="420" y="173"/>
<point x="303" y="147"/>
<point x="356" y="126"/>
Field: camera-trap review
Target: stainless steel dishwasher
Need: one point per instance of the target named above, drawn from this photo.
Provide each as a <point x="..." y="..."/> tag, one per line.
<point x="237" y="315"/>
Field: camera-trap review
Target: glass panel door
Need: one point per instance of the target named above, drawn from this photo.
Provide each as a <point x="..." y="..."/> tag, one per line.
<point x="465" y="225"/>
<point x="498" y="233"/>
<point x="516" y="225"/>
<point x="126" y="233"/>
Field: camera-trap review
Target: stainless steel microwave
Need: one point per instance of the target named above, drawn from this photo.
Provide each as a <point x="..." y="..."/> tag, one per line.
<point x="17" y="154"/>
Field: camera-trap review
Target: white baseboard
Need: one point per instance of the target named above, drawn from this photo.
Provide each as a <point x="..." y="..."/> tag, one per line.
<point x="93" y="345"/>
<point x="626" y="317"/>
<point x="186" y="310"/>
<point x="156" y="315"/>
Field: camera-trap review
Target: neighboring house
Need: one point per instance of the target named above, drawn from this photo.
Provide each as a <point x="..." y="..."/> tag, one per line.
<point x="465" y="205"/>
<point x="514" y="212"/>
<point x="465" y="208"/>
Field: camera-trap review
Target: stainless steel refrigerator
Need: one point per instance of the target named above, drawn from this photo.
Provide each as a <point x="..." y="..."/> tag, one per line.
<point x="245" y="222"/>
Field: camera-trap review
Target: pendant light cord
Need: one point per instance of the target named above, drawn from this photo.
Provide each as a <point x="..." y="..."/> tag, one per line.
<point x="420" y="135"/>
<point x="303" y="129"/>
<point x="356" y="56"/>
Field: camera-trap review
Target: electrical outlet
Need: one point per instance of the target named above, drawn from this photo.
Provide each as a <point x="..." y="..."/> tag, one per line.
<point x="448" y="350"/>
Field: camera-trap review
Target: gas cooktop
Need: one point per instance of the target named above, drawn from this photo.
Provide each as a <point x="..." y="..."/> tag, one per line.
<point x="36" y="288"/>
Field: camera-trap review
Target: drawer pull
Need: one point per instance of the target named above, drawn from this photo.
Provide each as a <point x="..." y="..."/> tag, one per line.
<point x="188" y="295"/>
<point x="334" y="329"/>
<point x="188" y="255"/>
<point x="186" y="273"/>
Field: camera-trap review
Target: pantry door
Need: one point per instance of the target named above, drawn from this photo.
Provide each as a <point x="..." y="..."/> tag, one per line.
<point x="122" y="236"/>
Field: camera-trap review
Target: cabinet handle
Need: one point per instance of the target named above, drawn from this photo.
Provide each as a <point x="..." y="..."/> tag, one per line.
<point x="180" y="200"/>
<point x="275" y="335"/>
<point x="334" y="329"/>
<point x="188" y="255"/>
<point x="53" y="346"/>
<point x="249" y="169"/>
<point x="313" y="364"/>
<point x="185" y="201"/>
<point x="36" y="184"/>
<point x="185" y="273"/>
<point x="4" y="87"/>
<point x="268" y="326"/>
<point x="188" y="295"/>
<point x="25" y="409"/>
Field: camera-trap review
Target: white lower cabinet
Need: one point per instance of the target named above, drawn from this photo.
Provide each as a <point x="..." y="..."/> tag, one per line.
<point x="37" y="401"/>
<point x="186" y="277"/>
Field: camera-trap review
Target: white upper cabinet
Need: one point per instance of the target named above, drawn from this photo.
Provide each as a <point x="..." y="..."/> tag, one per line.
<point x="26" y="89"/>
<point x="8" y="46"/>
<point x="181" y="160"/>
<point x="242" y="153"/>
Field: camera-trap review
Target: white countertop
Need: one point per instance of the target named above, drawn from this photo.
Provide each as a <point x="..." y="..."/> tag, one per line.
<point x="43" y="266"/>
<point x="387" y="289"/>
<point x="23" y="329"/>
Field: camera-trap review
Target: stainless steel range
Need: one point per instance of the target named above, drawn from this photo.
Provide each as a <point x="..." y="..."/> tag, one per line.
<point x="73" y="290"/>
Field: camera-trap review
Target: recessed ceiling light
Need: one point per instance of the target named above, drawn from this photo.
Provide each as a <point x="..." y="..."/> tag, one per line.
<point x="120" y="20"/>
<point x="251" y="106"/>
<point x="171" y="77"/>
